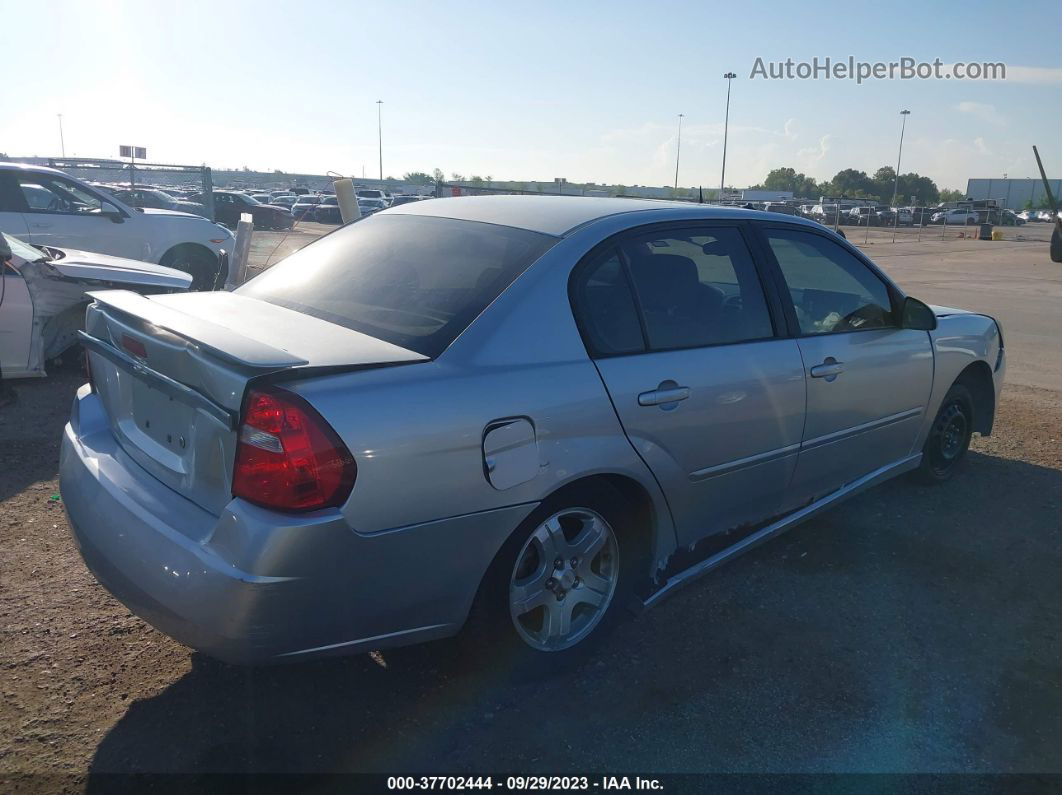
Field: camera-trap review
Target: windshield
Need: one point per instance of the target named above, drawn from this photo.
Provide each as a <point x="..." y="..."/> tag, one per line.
<point x="23" y="250"/>
<point x="414" y="281"/>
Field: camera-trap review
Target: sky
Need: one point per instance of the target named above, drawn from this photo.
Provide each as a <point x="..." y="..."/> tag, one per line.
<point x="588" y="91"/>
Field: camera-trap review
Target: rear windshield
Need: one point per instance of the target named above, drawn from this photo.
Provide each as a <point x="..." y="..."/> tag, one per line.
<point x="413" y="281"/>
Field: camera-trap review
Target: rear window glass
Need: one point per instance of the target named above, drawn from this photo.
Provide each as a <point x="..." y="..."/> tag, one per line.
<point x="413" y="281"/>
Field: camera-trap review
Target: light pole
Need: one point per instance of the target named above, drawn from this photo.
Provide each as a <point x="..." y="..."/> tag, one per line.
<point x="896" y="183"/>
<point x="62" y="143"/>
<point x="726" y="127"/>
<point x="379" y="132"/>
<point x="678" y="149"/>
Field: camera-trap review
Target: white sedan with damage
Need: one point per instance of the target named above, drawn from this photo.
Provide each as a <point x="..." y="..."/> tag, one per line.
<point x="42" y="297"/>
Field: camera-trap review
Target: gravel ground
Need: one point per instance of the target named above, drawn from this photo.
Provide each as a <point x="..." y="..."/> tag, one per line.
<point x="913" y="629"/>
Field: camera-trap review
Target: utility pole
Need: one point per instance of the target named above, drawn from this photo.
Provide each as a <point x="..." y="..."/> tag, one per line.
<point x="379" y="133"/>
<point x="678" y="149"/>
<point x="62" y="143"/>
<point x="726" y="128"/>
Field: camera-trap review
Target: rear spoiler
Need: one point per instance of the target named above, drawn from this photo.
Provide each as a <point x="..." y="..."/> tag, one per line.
<point x="222" y="343"/>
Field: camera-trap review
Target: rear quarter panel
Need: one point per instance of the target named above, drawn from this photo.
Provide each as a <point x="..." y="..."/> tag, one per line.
<point x="416" y="431"/>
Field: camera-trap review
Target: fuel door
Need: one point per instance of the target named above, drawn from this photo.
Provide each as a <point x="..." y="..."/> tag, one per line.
<point x="510" y="452"/>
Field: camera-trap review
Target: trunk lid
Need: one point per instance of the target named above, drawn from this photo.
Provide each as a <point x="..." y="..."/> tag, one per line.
<point x="171" y="371"/>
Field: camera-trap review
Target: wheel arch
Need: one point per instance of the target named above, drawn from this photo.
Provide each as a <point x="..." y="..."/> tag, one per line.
<point x="977" y="378"/>
<point x="173" y="251"/>
<point x="645" y="520"/>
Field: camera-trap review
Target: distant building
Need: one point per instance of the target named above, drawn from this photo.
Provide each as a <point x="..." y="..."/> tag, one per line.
<point x="1013" y="194"/>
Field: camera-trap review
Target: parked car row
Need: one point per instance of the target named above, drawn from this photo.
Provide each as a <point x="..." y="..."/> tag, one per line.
<point x="324" y="208"/>
<point x="881" y="215"/>
<point x="1038" y="216"/>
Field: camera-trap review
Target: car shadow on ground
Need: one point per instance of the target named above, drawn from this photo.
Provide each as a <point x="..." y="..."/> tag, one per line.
<point x="911" y="629"/>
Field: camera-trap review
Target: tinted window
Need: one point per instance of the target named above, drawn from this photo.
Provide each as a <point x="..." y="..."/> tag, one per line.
<point x="413" y="281"/>
<point x="832" y="291"/>
<point x="697" y="287"/>
<point x="605" y="307"/>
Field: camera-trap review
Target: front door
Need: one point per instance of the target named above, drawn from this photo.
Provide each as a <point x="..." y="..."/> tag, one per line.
<point x="868" y="380"/>
<point x="61" y="213"/>
<point x="710" y="397"/>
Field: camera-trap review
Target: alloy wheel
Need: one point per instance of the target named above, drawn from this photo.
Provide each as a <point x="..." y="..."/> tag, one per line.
<point x="564" y="579"/>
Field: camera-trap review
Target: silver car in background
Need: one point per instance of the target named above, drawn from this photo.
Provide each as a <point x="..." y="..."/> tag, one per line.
<point x="512" y="414"/>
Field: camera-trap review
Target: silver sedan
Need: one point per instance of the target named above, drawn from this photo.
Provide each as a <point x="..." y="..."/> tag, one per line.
<point x="510" y="415"/>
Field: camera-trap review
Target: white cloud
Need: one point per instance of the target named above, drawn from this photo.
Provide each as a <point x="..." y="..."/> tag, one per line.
<point x="982" y="111"/>
<point x="814" y="154"/>
<point x="1040" y="75"/>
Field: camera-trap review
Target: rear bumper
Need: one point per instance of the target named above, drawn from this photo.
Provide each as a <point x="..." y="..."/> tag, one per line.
<point x="253" y="586"/>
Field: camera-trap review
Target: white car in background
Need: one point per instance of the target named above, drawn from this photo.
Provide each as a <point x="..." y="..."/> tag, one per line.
<point x="955" y="217"/>
<point x="46" y="207"/>
<point x="373" y="193"/>
<point x="43" y="294"/>
<point x="370" y="206"/>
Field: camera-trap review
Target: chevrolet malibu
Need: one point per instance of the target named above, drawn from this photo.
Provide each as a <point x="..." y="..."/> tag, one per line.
<point x="511" y="415"/>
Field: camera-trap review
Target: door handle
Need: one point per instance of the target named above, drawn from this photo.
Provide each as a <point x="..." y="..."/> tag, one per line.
<point x="662" y="395"/>
<point x="829" y="369"/>
<point x="37" y="225"/>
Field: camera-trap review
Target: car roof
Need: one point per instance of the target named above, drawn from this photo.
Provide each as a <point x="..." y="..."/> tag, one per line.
<point x="560" y="215"/>
<point x="29" y="167"/>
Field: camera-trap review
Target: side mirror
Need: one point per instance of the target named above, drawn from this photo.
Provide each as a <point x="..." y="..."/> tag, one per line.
<point x="916" y="315"/>
<point x="108" y="210"/>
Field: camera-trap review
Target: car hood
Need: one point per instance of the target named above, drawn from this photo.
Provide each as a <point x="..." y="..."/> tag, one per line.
<point x="945" y="311"/>
<point x="76" y="264"/>
<point x="177" y="213"/>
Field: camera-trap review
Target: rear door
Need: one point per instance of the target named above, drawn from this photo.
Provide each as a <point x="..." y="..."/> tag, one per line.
<point x="868" y="381"/>
<point x="680" y="328"/>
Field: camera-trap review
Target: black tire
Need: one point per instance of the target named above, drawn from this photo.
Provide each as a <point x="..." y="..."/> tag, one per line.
<point x="491" y="630"/>
<point x="949" y="437"/>
<point x="200" y="263"/>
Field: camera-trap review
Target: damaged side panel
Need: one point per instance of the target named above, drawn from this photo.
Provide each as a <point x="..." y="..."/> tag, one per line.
<point x="58" y="311"/>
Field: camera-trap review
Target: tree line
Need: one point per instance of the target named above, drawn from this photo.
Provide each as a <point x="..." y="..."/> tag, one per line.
<point x="860" y="185"/>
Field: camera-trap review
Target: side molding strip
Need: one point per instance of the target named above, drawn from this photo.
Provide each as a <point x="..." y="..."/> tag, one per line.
<point x="779" y="527"/>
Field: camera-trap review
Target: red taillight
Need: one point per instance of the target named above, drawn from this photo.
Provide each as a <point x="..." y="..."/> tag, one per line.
<point x="288" y="458"/>
<point x="134" y="346"/>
